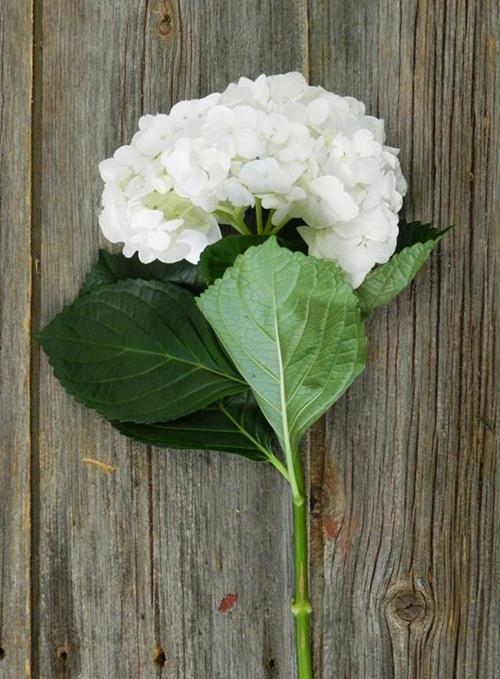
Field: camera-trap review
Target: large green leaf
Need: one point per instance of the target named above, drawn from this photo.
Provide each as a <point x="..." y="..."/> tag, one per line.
<point x="292" y="325"/>
<point x="110" y="268"/>
<point x="234" y="425"/>
<point x="387" y="280"/>
<point x="138" y="350"/>
<point x="216" y="258"/>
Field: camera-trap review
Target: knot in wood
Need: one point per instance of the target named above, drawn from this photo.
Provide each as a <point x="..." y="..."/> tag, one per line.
<point x="408" y="605"/>
<point x="165" y="21"/>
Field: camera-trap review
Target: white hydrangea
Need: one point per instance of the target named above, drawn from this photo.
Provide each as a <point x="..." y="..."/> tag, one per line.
<point x="295" y="150"/>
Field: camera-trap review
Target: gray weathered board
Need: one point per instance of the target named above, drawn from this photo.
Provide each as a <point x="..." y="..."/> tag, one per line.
<point x="118" y="573"/>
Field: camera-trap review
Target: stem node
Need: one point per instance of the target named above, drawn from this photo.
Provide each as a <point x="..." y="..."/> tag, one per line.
<point x="302" y="608"/>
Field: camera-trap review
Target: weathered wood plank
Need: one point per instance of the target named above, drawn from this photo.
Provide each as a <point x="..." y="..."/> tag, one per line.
<point x="134" y="564"/>
<point x="94" y="603"/>
<point x="15" y="283"/>
<point x="404" y="558"/>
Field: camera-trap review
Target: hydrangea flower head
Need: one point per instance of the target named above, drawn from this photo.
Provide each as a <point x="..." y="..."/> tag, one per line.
<point x="296" y="150"/>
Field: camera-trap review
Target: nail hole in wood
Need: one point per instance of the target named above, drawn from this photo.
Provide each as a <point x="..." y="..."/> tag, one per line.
<point x="159" y="656"/>
<point x="2" y="653"/>
<point x="273" y="665"/>
<point x="62" y="652"/>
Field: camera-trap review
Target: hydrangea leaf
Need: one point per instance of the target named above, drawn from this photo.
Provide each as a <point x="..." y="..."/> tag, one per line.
<point x="234" y="425"/>
<point x="293" y="328"/>
<point x="387" y="280"/>
<point x="216" y="258"/>
<point x="138" y="350"/>
<point x="411" y="233"/>
<point x="110" y="268"/>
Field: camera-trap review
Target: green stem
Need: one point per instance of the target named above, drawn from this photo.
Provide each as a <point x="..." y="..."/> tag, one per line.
<point x="269" y="223"/>
<point x="301" y="605"/>
<point x="258" y="214"/>
<point x="234" y="218"/>
<point x="239" y="229"/>
<point x="240" y="225"/>
<point x="278" y="227"/>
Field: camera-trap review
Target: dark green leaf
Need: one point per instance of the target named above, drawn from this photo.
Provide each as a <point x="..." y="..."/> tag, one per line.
<point x="387" y="280"/>
<point x="218" y="257"/>
<point x="292" y="326"/>
<point x="110" y="268"/>
<point x="234" y="425"/>
<point x="416" y="232"/>
<point x="138" y="350"/>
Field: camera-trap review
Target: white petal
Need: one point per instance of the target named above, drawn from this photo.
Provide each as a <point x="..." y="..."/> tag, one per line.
<point x="357" y="277"/>
<point x="237" y="194"/>
<point x="175" y="253"/>
<point x="146" y="219"/>
<point x="128" y="251"/>
<point x="380" y="223"/>
<point x="172" y="224"/>
<point x="365" y="144"/>
<point x="332" y="191"/>
<point x="286" y="86"/>
<point x="128" y="155"/>
<point x="215" y="162"/>
<point x="111" y="170"/>
<point x="213" y="232"/>
<point x="246" y="143"/>
<point x="255" y="174"/>
<point x="111" y="224"/>
<point x="158" y="240"/>
<point x="317" y="111"/>
<point x="137" y="239"/>
<point x="221" y="115"/>
<point x="196" y="241"/>
<point x="279" y="181"/>
<point x="145" y="121"/>
<point x="146" y="256"/>
<point x="149" y="143"/>
<point x="276" y="128"/>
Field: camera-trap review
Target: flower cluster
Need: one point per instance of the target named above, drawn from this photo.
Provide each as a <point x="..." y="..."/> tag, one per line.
<point x="274" y="143"/>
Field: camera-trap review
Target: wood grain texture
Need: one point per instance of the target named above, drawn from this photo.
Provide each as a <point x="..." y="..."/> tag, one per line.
<point x="406" y="556"/>
<point x="16" y="44"/>
<point x="93" y="604"/>
<point x="132" y="567"/>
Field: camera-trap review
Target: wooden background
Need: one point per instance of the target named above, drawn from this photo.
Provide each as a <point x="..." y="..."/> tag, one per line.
<point x="119" y="574"/>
